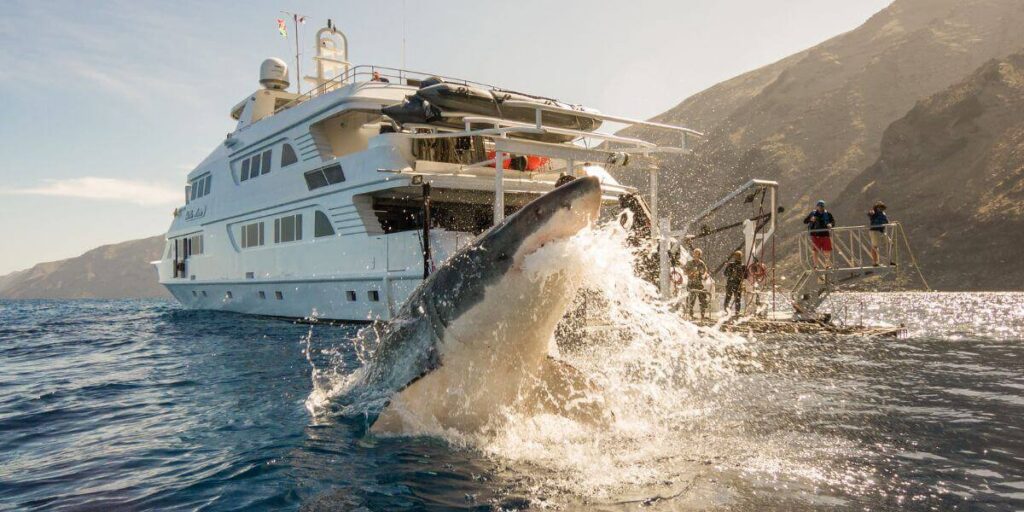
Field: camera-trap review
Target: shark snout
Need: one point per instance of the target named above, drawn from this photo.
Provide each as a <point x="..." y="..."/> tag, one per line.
<point x="563" y="212"/>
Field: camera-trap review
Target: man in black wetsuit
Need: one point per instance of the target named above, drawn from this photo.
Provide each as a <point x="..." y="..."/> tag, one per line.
<point x="735" y="272"/>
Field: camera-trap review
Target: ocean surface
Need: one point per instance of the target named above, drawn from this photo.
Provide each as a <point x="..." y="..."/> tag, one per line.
<point x="140" y="405"/>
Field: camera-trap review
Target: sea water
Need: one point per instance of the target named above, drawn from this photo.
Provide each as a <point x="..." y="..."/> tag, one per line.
<point x="142" y="405"/>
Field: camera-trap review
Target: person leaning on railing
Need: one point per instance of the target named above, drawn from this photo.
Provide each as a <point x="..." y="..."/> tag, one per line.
<point x="877" y="231"/>
<point x="819" y="224"/>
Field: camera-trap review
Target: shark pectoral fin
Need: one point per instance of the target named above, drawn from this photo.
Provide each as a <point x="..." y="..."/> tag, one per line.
<point x="566" y="391"/>
<point x="388" y="421"/>
<point x="414" y="407"/>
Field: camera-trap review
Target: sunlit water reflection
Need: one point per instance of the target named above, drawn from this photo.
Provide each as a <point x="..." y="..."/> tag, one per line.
<point x="140" y="405"/>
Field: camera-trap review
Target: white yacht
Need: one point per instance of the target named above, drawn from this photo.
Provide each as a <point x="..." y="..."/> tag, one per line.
<point x="338" y="202"/>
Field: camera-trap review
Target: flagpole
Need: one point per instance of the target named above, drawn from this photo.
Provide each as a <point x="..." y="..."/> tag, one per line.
<point x="295" y="24"/>
<point x="298" y="75"/>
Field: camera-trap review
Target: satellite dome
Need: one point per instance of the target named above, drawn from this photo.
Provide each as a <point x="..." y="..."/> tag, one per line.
<point x="274" y="74"/>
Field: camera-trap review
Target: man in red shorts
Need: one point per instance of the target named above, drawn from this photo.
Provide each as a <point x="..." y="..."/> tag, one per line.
<point x="819" y="225"/>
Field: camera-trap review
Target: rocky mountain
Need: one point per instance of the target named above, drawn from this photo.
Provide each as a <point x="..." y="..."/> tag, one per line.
<point x="110" y="271"/>
<point x="814" y="121"/>
<point x="952" y="170"/>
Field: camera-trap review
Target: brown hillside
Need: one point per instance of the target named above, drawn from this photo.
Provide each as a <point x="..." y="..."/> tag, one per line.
<point x="952" y="170"/>
<point x="815" y="120"/>
<point x="110" y="271"/>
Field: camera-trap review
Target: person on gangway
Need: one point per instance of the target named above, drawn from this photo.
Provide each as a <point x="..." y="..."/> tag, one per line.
<point x="696" y="272"/>
<point x="735" y="272"/>
<point x="879" y="220"/>
<point x="819" y="225"/>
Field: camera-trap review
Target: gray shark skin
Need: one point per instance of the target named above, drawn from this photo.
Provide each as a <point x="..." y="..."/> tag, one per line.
<point x="473" y="338"/>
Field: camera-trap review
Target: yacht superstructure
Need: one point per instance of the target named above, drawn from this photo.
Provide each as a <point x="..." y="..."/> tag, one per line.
<point x="339" y="202"/>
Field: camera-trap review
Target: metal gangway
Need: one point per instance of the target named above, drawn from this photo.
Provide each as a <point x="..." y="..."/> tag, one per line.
<point x="755" y="208"/>
<point x="851" y="261"/>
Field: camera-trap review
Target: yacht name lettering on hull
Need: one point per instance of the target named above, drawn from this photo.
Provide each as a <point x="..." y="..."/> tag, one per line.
<point x="195" y="213"/>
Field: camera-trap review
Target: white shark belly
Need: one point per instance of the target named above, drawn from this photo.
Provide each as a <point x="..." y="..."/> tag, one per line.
<point x="493" y="356"/>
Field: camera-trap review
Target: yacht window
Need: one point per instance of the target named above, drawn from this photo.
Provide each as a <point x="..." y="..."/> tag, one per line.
<point x="266" y="161"/>
<point x="278" y="295"/>
<point x="322" y="225"/>
<point x="188" y="191"/>
<point x="254" y="167"/>
<point x="350" y="295"/>
<point x="325" y="176"/>
<point x="263" y="295"/>
<point x="195" y="244"/>
<point x="288" y="229"/>
<point x="198" y="187"/>
<point x="374" y="295"/>
<point x="288" y="156"/>
<point x="315" y="179"/>
<point x="334" y="174"/>
<point x="252" y="235"/>
<point x="227" y="295"/>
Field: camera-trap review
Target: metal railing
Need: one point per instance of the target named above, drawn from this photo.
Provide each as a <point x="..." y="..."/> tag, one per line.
<point x="852" y="246"/>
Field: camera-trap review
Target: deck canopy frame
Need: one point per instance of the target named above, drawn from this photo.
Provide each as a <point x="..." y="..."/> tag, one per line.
<point x="503" y="133"/>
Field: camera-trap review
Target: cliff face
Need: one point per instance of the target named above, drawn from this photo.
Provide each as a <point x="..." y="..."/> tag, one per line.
<point x="814" y="121"/>
<point x="952" y="170"/>
<point x="111" y="271"/>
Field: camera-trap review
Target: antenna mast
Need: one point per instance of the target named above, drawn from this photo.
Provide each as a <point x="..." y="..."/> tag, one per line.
<point x="403" y="33"/>
<point x="296" y="19"/>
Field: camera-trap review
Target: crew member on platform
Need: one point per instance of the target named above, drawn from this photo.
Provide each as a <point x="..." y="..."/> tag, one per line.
<point x="696" y="271"/>
<point x="735" y="271"/>
<point x="877" y="231"/>
<point x="819" y="225"/>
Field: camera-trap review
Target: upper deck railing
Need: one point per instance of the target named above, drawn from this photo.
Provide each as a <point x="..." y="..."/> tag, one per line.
<point x="414" y="78"/>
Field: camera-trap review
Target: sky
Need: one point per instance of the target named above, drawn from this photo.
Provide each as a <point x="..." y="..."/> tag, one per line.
<point x="106" y="106"/>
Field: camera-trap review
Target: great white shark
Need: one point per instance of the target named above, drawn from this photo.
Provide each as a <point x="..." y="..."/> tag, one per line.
<point x="473" y="338"/>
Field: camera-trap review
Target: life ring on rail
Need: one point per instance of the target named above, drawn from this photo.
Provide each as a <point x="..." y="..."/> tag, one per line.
<point x="528" y="163"/>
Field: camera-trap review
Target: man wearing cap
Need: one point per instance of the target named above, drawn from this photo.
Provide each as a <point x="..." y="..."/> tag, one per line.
<point x="877" y="231"/>
<point x="819" y="224"/>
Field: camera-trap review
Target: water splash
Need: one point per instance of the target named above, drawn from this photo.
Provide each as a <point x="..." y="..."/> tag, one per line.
<point x="684" y="400"/>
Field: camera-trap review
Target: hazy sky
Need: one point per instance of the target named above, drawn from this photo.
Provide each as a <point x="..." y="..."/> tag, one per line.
<point x="107" y="105"/>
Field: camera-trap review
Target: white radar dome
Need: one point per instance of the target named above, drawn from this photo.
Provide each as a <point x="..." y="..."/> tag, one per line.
<point x="274" y="74"/>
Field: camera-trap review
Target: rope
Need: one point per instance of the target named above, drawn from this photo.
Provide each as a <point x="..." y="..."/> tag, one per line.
<point x="913" y="259"/>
